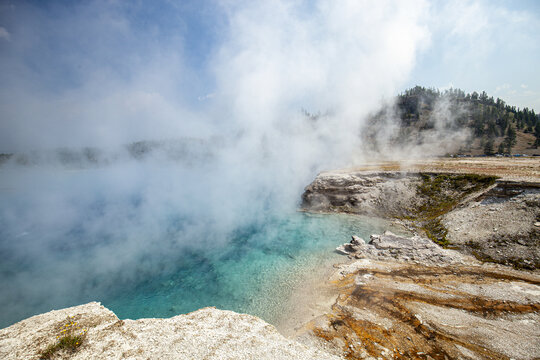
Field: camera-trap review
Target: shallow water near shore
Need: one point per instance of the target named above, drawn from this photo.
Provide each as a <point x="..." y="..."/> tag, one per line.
<point x="150" y="248"/>
<point x="254" y="274"/>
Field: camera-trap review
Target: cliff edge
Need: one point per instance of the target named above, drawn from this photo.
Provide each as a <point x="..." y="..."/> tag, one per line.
<point x="207" y="333"/>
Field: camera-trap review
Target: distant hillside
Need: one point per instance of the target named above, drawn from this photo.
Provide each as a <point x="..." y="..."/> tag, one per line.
<point x="487" y="126"/>
<point x="420" y="122"/>
<point x="184" y="150"/>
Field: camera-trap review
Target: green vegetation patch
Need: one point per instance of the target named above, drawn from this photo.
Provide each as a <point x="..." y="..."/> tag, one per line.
<point x="439" y="194"/>
<point x="70" y="338"/>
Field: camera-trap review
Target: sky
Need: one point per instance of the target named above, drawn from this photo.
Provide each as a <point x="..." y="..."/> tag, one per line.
<point x="484" y="46"/>
<point x="99" y="73"/>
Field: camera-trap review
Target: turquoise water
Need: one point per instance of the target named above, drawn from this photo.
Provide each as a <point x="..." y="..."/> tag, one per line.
<point x="156" y="241"/>
<point x="253" y="274"/>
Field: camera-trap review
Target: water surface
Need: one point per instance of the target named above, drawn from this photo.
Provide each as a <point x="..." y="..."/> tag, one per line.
<point x="156" y="241"/>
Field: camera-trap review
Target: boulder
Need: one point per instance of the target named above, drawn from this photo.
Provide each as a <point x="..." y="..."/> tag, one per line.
<point x="357" y="240"/>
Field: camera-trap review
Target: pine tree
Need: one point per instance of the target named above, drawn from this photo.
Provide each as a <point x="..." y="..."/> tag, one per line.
<point x="488" y="148"/>
<point x="500" y="149"/>
<point x="510" y="139"/>
<point x="537" y="133"/>
<point x="483" y="97"/>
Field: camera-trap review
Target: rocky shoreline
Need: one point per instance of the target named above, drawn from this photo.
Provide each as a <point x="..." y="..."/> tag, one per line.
<point x="493" y="219"/>
<point x="475" y="297"/>
<point x="408" y="298"/>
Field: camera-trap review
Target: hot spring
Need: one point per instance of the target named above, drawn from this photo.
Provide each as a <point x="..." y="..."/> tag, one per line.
<point x="150" y="239"/>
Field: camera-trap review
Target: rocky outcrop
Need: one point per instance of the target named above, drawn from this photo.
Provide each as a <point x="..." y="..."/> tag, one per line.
<point x="407" y="298"/>
<point x="398" y="248"/>
<point x="494" y="220"/>
<point x="501" y="225"/>
<point x="204" y="334"/>
<point x="380" y="193"/>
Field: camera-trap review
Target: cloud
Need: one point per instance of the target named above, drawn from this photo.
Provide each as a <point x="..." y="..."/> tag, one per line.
<point x="475" y="45"/>
<point x="102" y="79"/>
<point x="478" y="23"/>
<point x="91" y="75"/>
<point x="4" y="34"/>
<point x="206" y="97"/>
<point x="516" y="95"/>
<point x="280" y="57"/>
<point x="502" y="87"/>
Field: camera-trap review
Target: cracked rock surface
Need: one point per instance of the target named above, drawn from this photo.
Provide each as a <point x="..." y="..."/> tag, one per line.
<point x="502" y="225"/>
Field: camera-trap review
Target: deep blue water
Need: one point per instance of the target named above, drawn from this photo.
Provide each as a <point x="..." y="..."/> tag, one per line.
<point x="155" y="242"/>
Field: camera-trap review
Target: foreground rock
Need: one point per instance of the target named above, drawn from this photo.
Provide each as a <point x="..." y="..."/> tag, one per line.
<point x="204" y="334"/>
<point x="425" y="302"/>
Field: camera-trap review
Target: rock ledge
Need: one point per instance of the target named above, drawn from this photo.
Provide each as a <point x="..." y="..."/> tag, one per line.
<point x="389" y="246"/>
<point x="207" y="333"/>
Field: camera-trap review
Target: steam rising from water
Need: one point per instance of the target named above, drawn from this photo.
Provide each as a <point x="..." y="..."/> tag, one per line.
<point x="67" y="234"/>
<point x="445" y="132"/>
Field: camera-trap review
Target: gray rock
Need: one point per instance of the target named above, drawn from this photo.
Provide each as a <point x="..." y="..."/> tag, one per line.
<point x="400" y="248"/>
<point x="342" y="250"/>
<point x="207" y="333"/>
<point x="356" y="240"/>
<point x="363" y="192"/>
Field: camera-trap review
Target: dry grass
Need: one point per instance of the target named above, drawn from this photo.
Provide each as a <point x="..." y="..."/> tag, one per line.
<point x="517" y="169"/>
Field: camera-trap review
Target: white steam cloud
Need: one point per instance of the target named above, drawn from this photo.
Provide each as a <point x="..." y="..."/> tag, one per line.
<point x="443" y="132"/>
<point x="339" y="59"/>
<point x="73" y="233"/>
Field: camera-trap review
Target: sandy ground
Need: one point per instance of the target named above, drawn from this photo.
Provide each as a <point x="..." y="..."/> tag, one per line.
<point x="516" y="169"/>
<point x="313" y="297"/>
